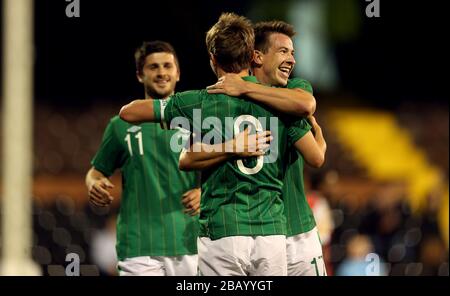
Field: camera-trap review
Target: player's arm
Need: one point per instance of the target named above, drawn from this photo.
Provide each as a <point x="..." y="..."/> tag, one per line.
<point x="98" y="184"/>
<point x="295" y="101"/>
<point x="201" y="156"/>
<point x="312" y="145"/>
<point x="138" y="111"/>
<point x="149" y="110"/>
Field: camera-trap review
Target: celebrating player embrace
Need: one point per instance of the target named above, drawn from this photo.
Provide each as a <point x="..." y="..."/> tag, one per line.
<point x="242" y="219"/>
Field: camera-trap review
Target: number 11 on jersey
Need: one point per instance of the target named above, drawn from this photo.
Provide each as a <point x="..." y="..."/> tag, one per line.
<point x="138" y="136"/>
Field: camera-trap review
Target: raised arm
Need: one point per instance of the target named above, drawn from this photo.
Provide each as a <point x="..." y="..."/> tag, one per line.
<point x="201" y="156"/>
<point x="295" y="101"/>
<point x="312" y="145"/>
<point x="138" y="111"/>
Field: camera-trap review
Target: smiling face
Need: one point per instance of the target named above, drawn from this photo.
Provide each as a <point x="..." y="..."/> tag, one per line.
<point x="277" y="64"/>
<point x="159" y="75"/>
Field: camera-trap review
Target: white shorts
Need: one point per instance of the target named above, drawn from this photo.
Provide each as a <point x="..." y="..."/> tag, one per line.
<point x="304" y="254"/>
<point x="186" y="265"/>
<point x="243" y="255"/>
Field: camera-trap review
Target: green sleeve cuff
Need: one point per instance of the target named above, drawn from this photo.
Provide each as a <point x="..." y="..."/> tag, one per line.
<point x="157" y="110"/>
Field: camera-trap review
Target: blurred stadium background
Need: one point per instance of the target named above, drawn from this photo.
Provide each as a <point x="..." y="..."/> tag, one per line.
<point x="384" y="187"/>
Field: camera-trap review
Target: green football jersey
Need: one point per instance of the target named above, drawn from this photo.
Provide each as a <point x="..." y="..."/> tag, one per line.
<point x="239" y="197"/>
<point x="300" y="218"/>
<point x="151" y="221"/>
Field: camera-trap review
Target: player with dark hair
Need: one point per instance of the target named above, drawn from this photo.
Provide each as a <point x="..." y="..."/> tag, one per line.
<point x="154" y="235"/>
<point x="272" y="65"/>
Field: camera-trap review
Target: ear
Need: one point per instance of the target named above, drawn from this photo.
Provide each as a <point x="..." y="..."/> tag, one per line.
<point x="213" y="63"/>
<point x="258" y="57"/>
<point x="139" y="77"/>
<point x="178" y="73"/>
<point x="213" y="59"/>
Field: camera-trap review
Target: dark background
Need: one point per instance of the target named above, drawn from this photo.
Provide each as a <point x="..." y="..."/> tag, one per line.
<point x="397" y="57"/>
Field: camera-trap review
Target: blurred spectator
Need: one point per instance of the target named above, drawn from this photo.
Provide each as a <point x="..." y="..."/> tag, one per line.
<point x="433" y="256"/>
<point x="384" y="220"/>
<point x="322" y="214"/>
<point x="360" y="259"/>
<point x="104" y="248"/>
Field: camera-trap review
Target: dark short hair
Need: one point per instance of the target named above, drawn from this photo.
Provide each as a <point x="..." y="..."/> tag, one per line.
<point x="147" y="48"/>
<point x="231" y="40"/>
<point x="263" y="30"/>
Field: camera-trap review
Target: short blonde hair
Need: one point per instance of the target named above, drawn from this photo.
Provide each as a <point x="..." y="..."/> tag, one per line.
<point x="231" y="41"/>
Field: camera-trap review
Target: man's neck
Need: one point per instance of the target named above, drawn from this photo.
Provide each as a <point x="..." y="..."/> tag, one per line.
<point x="147" y="96"/>
<point x="260" y="76"/>
<point x="243" y="73"/>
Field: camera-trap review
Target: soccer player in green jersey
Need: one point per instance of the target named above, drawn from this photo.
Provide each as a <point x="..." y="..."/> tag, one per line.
<point x="272" y="65"/>
<point x="242" y="222"/>
<point x="154" y="235"/>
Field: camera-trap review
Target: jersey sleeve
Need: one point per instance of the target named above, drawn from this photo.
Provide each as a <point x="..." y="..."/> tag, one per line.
<point x="109" y="155"/>
<point x="300" y="83"/>
<point x="179" y="105"/>
<point x="297" y="130"/>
